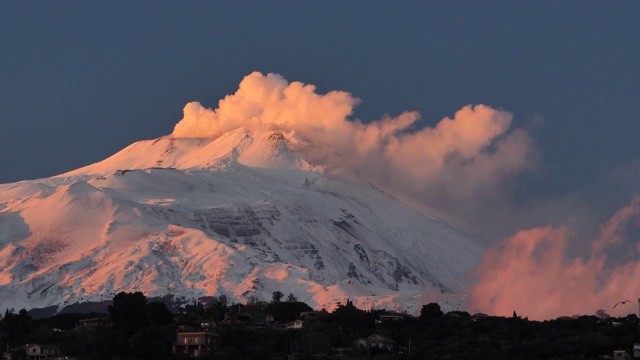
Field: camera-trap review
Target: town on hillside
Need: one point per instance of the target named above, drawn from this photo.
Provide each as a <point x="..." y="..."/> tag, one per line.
<point x="211" y="328"/>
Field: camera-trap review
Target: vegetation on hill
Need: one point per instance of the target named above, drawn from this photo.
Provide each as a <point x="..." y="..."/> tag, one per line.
<point x="137" y="329"/>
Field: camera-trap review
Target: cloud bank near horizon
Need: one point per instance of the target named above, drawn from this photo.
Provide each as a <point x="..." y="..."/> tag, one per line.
<point x="537" y="272"/>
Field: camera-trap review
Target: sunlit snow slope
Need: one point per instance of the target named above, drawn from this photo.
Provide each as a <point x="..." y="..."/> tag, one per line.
<point x="240" y="215"/>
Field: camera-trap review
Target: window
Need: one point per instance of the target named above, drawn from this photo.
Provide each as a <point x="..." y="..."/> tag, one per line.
<point x="196" y="339"/>
<point x="186" y="340"/>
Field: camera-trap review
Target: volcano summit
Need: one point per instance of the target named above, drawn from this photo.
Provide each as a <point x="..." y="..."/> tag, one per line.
<point x="276" y="190"/>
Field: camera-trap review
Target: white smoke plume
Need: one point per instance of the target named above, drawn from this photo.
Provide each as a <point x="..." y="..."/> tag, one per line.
<point x="472" y="156"/>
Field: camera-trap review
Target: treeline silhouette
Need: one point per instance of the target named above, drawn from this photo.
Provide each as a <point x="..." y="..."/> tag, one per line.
<point x="137" y="329"/>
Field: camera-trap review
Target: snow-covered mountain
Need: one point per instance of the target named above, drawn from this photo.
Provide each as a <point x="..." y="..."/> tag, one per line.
<point x="241" y="215"/>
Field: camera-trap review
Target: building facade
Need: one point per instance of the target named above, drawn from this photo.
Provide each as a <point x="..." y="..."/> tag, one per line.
<point x="41" y="351"/>
<point x="195" y="343"/>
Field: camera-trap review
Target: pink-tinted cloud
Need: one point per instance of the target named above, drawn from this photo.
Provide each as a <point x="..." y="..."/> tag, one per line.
<point x="534" y="274"/>
<point x="464" y="165"/>
<point x="474" y="153"/>
<point x="266" y="103"/>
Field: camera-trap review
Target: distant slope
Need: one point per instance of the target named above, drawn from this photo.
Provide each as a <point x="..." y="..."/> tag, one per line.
<point x="240" y="215"/>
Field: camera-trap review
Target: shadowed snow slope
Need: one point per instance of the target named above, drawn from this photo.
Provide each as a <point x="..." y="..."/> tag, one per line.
<point x="239" y="215"/>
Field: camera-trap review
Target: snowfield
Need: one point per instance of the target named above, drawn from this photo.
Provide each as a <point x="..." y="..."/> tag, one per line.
<point x="240" y="215"/>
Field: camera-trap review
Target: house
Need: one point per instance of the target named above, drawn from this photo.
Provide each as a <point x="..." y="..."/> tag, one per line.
<point x="93" y="322"/>
<point x="381" y="342"/>
<point x="250" y="318"/>
<point x="194" y="343"/>
<point x="41" y="351"/>
<point x="477" y="316"/>
<point x="390" y="317"/>
<point x="636" y="350"/>
<point x="295" y="324"/>
<point x="620" y="355"/>
<point x="208" y="324"/>
<point x="311" y="315"/>
<point x="359" y="344"/>
<point x="375" y="341"/>
<point x="237" y="319"/>
<point x="260" y="318"/>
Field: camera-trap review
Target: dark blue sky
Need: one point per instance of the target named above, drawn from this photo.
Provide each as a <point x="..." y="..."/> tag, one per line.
<point x="81" y="80"/>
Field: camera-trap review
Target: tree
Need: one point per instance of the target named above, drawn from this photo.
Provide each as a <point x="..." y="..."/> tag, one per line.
<point x="254" y="300"/>
<point x="276" y="296"/>
<point x="287" y="311"/>
<point x="430" y="311"/>
<point x="222" y="299"/>
<point x="15" y="326"/>
<point x="158" y="315"/>
<point x="196" y="309"/>
<point x="292" y="298"/>
<point x="217" y="311"/>
<point x="602" y="314"/>
<point x="128" y="311"/>
<point x="350" y="319"/>
<point x="24" y="315"/>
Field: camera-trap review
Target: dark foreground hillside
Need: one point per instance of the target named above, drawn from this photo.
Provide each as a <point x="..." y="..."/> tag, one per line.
<point x="287" y="329"/>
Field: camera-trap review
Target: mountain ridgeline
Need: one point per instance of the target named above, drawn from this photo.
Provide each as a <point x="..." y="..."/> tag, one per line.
<point x="241" y="215"/>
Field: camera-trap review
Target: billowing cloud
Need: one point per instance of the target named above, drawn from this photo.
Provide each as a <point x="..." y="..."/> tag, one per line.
<point x="466" y="165"/>
<point x="471" y="155"/>
<point x="539" y="273"/>
<point x="268" y="102"/>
